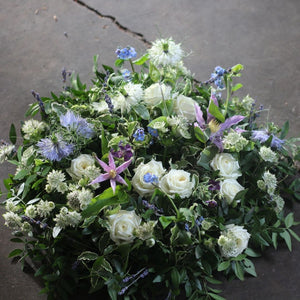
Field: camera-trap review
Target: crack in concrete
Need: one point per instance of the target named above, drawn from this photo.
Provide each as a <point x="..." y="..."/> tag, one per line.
<point x="117" y="23"/>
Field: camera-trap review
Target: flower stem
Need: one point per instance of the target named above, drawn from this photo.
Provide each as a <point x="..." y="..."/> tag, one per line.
<point x="174" y="206"/>
<point x="228" y="88"/>
<point x="132" y="66"/>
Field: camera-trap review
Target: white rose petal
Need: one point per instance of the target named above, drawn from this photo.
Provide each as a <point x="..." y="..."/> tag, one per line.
<point x="177" y="182"/>
<point x="122" y="226"/>
<point x="185" y="106"/>
<point x="227" y="165"/>
<point x="154" y="168"/>
<point x="80" y="165"/>
<point x="156" y="93"/>
<point x="229" y="188"/>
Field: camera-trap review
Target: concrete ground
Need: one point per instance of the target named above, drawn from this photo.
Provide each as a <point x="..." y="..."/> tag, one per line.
<point x="38" y="38"/>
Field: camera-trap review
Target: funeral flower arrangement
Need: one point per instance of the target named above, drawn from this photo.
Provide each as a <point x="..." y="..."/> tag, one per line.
<point x="147" y="183"/>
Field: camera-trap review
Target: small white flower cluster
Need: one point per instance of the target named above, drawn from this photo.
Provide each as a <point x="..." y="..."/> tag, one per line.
<point x="267" y="154"/>
<point x="10" y="205"/>
<point x="179" y="126"/>
<point x="33" y="128"/>
<point x="233" y="241"/>
<point x="67" y="218"/>
<point x="55" y="181"/>
<point x="229" y="169"/>
<point x="12" y="220"/>
<point x="5" y="151"/>
<point x="268" y="183"/>
<point x="24" y="163"/>
<point x="234" y="141"/>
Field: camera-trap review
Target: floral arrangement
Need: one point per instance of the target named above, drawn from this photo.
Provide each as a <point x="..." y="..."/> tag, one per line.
<point x="148" y="183"/>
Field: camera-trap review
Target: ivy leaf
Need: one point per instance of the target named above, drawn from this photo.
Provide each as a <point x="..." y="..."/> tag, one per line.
<point x="142" y="111"/>
<point x="88" y="255"/>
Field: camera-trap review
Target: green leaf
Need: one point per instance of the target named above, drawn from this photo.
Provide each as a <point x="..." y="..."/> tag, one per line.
<point x="95" y="66"/>
<point x="141" y="60"/>
<point x="214" y="110"/>
<point x="223" y="265"/>
<point x="287" y="238"/>
<point x="237" y="68"/>
<point x="289" y="220"/>
<point x="215" y="296"/>
<point x="142" y="111"/>
<point x="175" y="278"/>
<point x="238" y="270"/>
<point x="236" y="87"/>
<point x="249" y="267"/>
<point x="119" y="62"/>
<point x="105" y="199"/>
<point x="104" y="142"/>
<point x="21" y="174"/>
<point x="274" y="239"/>
<point x="101" y="263"/>
<point x="284" y="130"/>
<point x="294" y="234"/>
<point x="13" y="134"/>
<point x="166" y="220"/>
<point x="201" y="135"/>
<point x="16" y="252"/>
<point x="88" y="255"/>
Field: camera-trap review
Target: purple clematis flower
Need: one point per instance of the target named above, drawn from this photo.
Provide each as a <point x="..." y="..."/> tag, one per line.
<point x="217" y="135"/>
<point x="112" y="172"/>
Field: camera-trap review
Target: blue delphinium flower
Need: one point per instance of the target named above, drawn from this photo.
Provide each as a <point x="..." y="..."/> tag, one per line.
<point x="80" y="125"/>
<point x="139" y="134"/>
<point x="55" y="148"/>
<point x="126" y="53"/>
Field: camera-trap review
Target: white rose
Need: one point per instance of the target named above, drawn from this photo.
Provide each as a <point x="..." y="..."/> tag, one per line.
<point x="79" y="166"/>
<point x="229" y="188"/>
<point x="177" y="182"/>
<point x="233" y="241"/>
<point x="122" y="226"/>
<point x="227" y="165"/>
<point x="140" y="185"/>
<point x="185" y="106"/>
<point x="156" y="93"/>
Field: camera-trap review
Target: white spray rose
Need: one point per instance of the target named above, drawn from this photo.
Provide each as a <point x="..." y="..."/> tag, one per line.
<point x="156" y="93"/>
<point x="227" y="165"/>
<point x="233" y="241"/>
<point x="185" y="106"/>
<point x="79" y="166"/>
<point x="229" y="188"/>
<point x="122" y="226"/>
<point x="177" y="182"/>
<point x="143" y="187"/>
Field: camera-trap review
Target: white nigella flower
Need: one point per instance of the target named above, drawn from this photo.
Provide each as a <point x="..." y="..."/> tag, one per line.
<point x="44" y="208"/>
<point x="134" y="93"/>
<point x="32" y="128"/>
<point x="165" y="52"/>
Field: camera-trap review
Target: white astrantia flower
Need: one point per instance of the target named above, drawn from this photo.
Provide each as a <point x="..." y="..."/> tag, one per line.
<point x="10" y="205"/>
<point x="185" y="106"/>
<point x="279" y="203"/>
<point x="229" y="188"/>
<point x="156" y="93"/>
<point x="33" y="128"/>
<point x="267" y="154"/>
<point x="177" y="182"/>
<point x="30" y="211"/>
<point x="122" y="226"/>
<point x="233" y="240"/>
<point x="165" y="52"/>
<point x="85" y="196"/>
<point x="134" y="93"/>
<point x="234" y="141"/>
<point x="44" y="208"/>
<point x="55" y="180"/>
<point x="227" y="165"/>
<point x="12" y="220"/>
<point x="142" y="186"/>
<point x="67" y="218"/>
